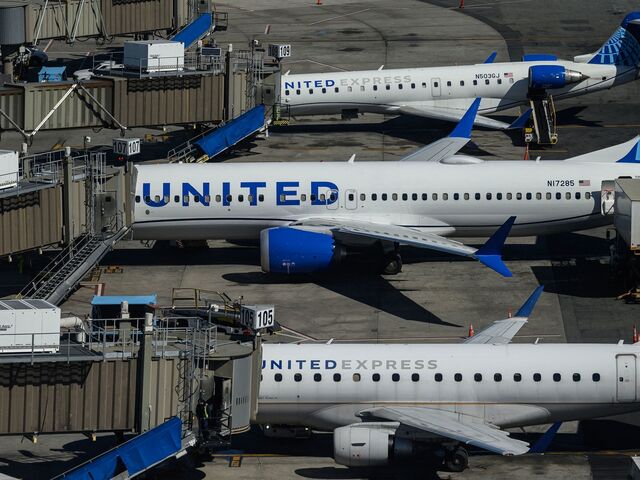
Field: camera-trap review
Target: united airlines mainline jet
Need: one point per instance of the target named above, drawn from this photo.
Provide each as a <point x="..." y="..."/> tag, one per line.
<point x="387" y="403"/>
<point x="309" y="215"/>
<point x="444" y="93"/>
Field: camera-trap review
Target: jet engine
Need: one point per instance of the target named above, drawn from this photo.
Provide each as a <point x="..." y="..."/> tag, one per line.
<point x="369" y="444"/>
<point x="543" y="77"/>
<point x="293" y="250"/>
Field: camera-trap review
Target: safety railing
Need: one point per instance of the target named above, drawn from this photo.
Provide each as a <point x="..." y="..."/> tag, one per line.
<point x="117" y="65"/>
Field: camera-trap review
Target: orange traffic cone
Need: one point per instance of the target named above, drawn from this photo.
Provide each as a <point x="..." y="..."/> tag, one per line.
<point x="461" y="4"/>
<point x="509" y="314"/>
<point x="471" y="332"/>
<point x="318" y="2"/>
<point x="526" y="153"/>
<point x="635" y="334"/>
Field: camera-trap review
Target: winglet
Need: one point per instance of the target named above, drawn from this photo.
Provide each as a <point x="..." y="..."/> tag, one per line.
<point x="527" y="307"/>
<point x="545" y="440"/>
<point x="463" y="129"/>
<point x="490" y="254"/>
<point x="491" y="57"/>
<point x="521" y="121"/>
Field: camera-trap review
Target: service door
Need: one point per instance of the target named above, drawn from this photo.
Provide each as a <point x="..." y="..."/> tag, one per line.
<point x="626" y="379"/>
<point x="435" y="87"/>
<point x="351" y="199"/>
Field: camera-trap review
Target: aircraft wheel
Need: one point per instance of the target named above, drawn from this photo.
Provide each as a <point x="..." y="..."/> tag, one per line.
<point x="457" y="460"/>
<point x="392" y="264"/>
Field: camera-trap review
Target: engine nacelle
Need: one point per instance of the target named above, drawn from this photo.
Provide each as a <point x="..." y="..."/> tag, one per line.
<point x="370" y="444"/>
<point x="292" y="250"/>
<point x="552" y="76"/>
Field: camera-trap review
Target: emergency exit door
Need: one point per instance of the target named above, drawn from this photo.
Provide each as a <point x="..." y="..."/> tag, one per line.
<point x="626" y="378"/>
<point x="435" y="87"/>
<point x="351" y="200"/>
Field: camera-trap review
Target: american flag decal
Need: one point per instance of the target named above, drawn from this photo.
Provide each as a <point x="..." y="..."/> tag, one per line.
<point x="584" y="183"/>
<point x="508" y="75"/>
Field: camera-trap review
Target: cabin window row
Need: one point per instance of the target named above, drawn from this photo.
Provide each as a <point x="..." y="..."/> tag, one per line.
<point x="439" y="377"/>
<point x="400" y="86"/>
<point x="477" y="196"/>
<point x="374" y="197"/>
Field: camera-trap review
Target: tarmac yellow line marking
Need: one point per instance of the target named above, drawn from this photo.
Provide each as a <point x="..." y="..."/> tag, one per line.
<point x="339" y="16"/>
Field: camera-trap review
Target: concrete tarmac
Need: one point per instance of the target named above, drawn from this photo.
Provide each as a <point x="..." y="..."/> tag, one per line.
<point x="436" y="297"/>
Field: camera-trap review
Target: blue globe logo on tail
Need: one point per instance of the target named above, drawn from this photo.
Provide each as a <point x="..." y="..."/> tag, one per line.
<point x="633" y="156"/>
<point x="623" y="48"/>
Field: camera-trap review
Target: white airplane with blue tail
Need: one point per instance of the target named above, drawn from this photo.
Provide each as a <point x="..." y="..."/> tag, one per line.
<point x="309" y="215"/>
<point x="390" y="403"/>
<point x="445" y="93"/>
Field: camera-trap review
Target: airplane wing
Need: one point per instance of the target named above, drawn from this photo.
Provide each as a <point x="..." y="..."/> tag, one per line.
<point x="503" y="331"/>
<point x="456" y="114"/>
<point x="489" y="254"/>
<point x="448" y="146"/>
<point x="463" y="428"/>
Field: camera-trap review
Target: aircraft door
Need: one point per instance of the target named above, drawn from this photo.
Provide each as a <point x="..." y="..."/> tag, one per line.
<point x="626" y="378"/>
<point x="351" y="199"/>
<point x="435" y="87"/>
<point x="333" y="199"/>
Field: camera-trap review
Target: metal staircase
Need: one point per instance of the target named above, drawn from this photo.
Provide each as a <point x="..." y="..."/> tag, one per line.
<point x="69" y="267"/>
<point x="544" y="119"/>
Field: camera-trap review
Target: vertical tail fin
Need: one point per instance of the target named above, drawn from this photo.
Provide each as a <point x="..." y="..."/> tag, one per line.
<point x="623" y="47"/>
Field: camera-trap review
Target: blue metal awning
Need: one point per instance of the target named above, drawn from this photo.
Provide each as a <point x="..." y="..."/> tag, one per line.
<point x="232" y="132"/>
<point x="194" y="31"/>
<point x="130" y="299"/>
<point x="135" y="456"/>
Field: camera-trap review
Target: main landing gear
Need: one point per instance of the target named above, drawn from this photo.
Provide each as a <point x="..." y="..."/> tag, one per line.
<point x="392" y="263"/>
<point x="456" y="459"/>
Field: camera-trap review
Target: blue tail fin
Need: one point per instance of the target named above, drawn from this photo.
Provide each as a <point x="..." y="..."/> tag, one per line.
<point x="490" y="254"/>
<point x="623" y="47"/>
<point x="633" y="156"/>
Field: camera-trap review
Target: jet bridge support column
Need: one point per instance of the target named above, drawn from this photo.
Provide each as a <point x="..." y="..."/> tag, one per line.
<point x="143" y="405"/>
<point x="67" y="201"/>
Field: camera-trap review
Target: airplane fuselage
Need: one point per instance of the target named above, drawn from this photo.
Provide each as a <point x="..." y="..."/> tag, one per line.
<point x="324" y="386"/>
<point x="237" y="201"/>
<point x="500" y="85"/>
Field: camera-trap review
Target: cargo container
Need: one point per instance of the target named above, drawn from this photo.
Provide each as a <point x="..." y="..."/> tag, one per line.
<point x="9" y="169"/>
<point x="627" y="212"/>
<point x="152" y="56"/>
<point x="29" y="325"/>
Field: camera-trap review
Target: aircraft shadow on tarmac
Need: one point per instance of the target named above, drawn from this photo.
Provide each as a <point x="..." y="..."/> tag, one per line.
<point x="373" y="290"/>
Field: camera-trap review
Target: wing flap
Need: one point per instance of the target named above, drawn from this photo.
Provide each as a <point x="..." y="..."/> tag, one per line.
<point x="450" y="115"/>
<point x="463" y="428"/>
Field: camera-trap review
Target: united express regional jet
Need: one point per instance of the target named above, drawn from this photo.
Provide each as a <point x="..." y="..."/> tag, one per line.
<point x="445" y="93"/>
<point x="387" y="403"/>
<point x="309" y="215"/>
